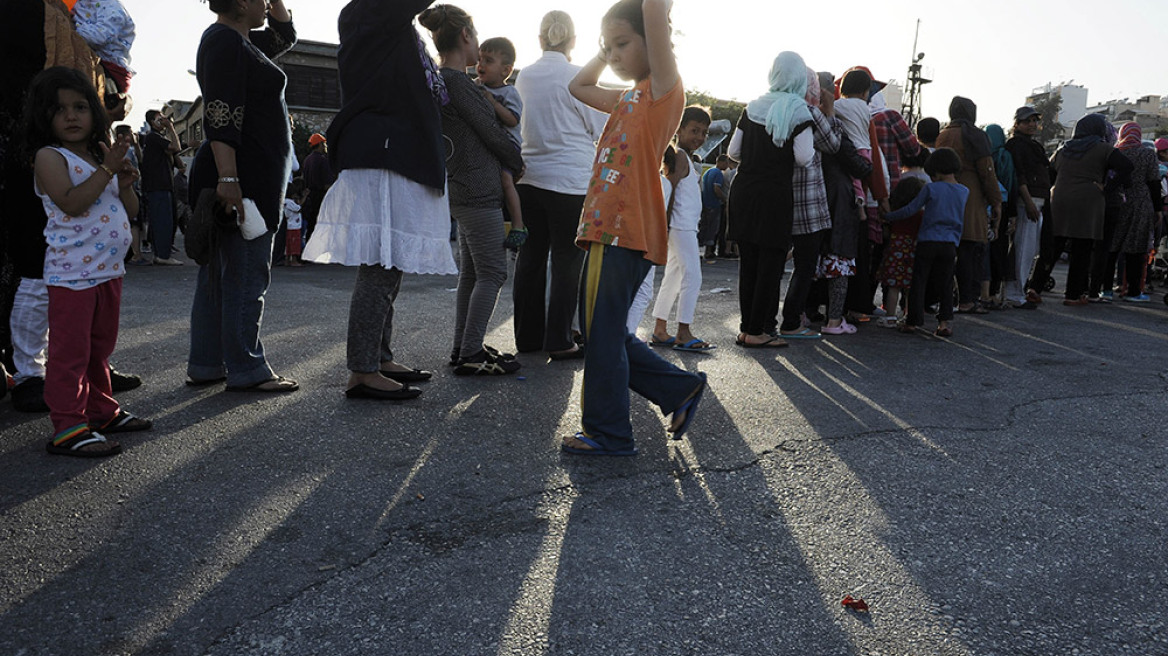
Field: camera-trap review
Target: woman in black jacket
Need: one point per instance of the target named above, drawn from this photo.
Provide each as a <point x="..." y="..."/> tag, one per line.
<point x="387" y="213"/>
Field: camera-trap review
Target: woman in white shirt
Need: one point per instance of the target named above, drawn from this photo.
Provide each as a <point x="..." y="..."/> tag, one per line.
<point x="559" y="142"/>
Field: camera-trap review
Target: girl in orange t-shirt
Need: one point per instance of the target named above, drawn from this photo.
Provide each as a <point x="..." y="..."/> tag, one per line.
<point x="624" y="229"/>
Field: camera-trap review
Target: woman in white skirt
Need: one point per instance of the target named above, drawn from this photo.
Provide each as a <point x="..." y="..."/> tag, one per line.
<point x="387" y="214"/>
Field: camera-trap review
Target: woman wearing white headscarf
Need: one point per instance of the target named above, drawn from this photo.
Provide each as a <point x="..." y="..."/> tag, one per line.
<point x="772" y="138"/>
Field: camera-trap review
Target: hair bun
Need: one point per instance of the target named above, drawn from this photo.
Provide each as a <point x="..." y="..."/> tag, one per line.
<point x="433" y="18"/>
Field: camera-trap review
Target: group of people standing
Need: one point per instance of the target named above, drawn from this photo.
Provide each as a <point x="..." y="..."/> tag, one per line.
<point x="826" y="174"/>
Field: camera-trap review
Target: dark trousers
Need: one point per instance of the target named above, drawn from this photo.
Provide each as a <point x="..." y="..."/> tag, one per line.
<point x="860" y="289"/>
<point x="1134" y="265"/>
<point x="615" y="360"/>
<point x="543" y="320"/>
<point x="760" y="274"/>
<point x="1078" y="267"/>
<point x="311" y="209"/>
<point x="1102" y="277"/>
<point x="806" y="258"/>
<point x="933" y="267"/>
<point x="1050" y="248"/>
<point x="970" y="270"/>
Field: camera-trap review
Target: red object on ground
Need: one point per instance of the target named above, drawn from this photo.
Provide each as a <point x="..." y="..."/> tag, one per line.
<point x="854" y="604"/>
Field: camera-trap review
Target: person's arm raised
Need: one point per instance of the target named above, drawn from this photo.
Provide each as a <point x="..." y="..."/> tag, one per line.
<point x="586" y="88"/>
<point x="662" y="62"/>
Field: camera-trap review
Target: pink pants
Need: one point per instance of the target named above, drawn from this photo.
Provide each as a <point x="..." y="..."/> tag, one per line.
<point x="83" y="329"/>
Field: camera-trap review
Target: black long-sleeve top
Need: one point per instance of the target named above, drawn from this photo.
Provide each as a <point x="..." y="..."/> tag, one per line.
<point x="243" y="99"/>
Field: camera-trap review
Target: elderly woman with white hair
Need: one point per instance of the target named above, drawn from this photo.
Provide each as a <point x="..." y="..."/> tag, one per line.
<point x="559" y="142"/>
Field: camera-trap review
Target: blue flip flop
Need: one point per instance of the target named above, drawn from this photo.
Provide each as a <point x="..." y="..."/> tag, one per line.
<point x="692" y="346"/>
<point x="653" y="341"/>
<point x="802" y="333"/>
<point x="596" y="449"/>
<point x="690" y="409"/>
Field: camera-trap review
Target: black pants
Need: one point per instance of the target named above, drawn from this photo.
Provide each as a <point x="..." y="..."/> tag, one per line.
<point x="545" y="322"/>
<point x="760" y="274"/>
<point x="1050" y="248"/>
<point x="970" y="270"/>
<point x="806" y="258"/>
<point x="1078" y="267"/>
<point x="860" y="289"/>
<point x="1103" y="261"/>
<point x="311" y="210"/>
<point x="933" y="267"/>
<point x="1133" y="271"/>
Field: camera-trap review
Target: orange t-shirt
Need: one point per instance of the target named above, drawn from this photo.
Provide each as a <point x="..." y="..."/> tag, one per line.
<point x="624" y="206"/>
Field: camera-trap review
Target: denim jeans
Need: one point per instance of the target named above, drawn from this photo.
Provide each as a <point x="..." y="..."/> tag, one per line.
<point x="227" y="310"/>
<point x="160" y="210"/>
<point x="615" y="361"/>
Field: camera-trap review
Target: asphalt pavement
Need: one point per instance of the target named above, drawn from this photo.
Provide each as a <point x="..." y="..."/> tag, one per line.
<point x="1003" y="492"/>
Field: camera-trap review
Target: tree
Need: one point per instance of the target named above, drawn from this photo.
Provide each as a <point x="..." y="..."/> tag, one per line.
<point x="719" y="109"/>
<point x="1048" y="108"/>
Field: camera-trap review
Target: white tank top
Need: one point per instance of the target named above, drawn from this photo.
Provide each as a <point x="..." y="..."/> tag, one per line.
<point x="687" y="200"/>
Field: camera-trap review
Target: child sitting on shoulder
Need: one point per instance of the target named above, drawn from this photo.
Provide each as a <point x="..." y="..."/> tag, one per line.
<point x="496" y="61"/>
<point x="943" y="201"/>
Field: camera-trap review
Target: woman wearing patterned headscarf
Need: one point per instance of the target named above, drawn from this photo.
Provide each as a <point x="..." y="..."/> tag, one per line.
<point x="1134" y="231"/>
<point x="772" y="138"/>
<point x="1079" y="170"/>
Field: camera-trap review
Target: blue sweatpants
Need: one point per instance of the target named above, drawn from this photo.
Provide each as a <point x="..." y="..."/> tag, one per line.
<point x="615" y="361"/>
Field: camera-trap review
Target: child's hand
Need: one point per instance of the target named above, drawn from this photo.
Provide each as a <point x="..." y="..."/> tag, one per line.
<point x="127" y="175"/>
<point x="114" y="157"/>
<point x="515" y="239"/>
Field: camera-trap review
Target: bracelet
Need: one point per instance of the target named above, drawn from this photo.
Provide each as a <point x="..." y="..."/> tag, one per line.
<point x="228" y="179"/>
<point x="108" y="170"/>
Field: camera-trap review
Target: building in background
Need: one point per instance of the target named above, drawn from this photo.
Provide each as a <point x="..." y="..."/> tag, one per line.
<point x="313" y="95"/>
<point x="1072" y="100"/>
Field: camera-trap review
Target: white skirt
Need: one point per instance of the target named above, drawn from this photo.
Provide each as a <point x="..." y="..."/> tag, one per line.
<point x="375" y="216"/>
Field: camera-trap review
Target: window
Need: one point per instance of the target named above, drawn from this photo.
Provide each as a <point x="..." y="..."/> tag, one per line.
<point x="309" y="86"/>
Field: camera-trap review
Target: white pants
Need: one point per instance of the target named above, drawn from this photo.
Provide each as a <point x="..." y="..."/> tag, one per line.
<point x="30" y="329"/>
<point x="1027" y="235"/>
<point x="641" y="301"/>
<point x="683" y="277"/>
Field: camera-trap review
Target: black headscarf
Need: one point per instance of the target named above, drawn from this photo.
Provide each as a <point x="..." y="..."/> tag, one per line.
<point x="1090" y="130"/>
<point x="963" y="113"/>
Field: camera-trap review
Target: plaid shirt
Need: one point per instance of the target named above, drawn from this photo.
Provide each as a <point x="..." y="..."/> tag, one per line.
<point x="812" y="213"/>
<point x="895" y="138"/>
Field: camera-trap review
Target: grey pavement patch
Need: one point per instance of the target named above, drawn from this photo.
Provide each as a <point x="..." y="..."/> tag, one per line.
<point x="1002" y="492"/>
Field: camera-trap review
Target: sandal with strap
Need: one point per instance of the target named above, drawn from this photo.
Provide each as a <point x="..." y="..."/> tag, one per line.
<point x="72" y="442"/>
<point x="124" y="422"/>
<point x="277" y="384"/>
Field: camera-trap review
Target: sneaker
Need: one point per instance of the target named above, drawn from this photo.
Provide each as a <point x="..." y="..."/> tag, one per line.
<point x="170" y="261"/>
<point x="1107" y="296"/>
<point x="485" y="364"/>
<point x="142" y="261"/>
<point x="1142" y="298"/>
<point x="1033" y="296"/>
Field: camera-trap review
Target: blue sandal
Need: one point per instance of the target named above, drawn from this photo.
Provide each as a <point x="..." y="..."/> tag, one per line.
<point x="595" y="449"/>
<point x="655" y="341"/>
<point x="690" y="409"/>
<point x="692" y="346"/>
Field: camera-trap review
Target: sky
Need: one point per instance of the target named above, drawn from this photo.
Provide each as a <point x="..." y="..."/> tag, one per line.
<point x="995" y="55"/>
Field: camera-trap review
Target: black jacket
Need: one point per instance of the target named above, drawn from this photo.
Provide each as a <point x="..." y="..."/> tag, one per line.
<point x="389" y="118"/>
